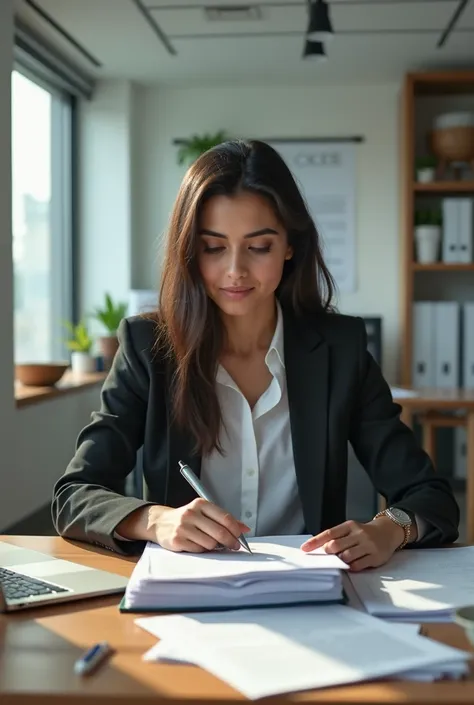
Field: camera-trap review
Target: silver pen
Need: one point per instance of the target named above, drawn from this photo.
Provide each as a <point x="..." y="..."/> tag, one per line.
<point x="197" y="485"/>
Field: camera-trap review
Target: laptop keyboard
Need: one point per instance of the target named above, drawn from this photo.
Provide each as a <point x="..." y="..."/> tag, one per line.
<point x="16" y="586"/>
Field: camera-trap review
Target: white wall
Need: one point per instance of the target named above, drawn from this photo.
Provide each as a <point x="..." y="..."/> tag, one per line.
<point x="105" y="196"/>
<point x="36" y="442"/>
<point x="287" y="111"/>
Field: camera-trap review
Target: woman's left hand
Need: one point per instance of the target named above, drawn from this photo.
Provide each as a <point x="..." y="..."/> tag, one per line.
<point x="360" y="545"/>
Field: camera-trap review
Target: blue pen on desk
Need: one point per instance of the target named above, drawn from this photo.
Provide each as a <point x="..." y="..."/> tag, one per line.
<point x="92" y="658"/>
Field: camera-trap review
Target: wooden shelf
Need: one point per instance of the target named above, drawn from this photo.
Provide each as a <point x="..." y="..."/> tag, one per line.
<point x="442" y="267"/>
<point x="445" y="187"/>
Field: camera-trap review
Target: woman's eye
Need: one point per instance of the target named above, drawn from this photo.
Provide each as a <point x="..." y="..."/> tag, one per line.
<point x="260" y="250"/>
<point x="213" y="250"/>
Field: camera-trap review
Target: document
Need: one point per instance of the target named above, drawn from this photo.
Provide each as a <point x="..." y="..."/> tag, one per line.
<point x="276" y="572"/>
<point x="424" y="585"/>
<point x="262" y="652"/>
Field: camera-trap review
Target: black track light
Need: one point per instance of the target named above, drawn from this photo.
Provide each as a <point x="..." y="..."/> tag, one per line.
<point x="320" y="25"/>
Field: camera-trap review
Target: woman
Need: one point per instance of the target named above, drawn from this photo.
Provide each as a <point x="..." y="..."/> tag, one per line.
<point x="247" y="374"/>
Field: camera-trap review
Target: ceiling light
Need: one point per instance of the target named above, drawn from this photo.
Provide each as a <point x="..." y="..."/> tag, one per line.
<point x="320" y="25"/>
<point x="233" y="12"/>
<point x="314" y="51"/>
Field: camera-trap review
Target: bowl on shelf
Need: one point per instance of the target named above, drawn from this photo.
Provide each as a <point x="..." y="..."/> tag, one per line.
<point x="40" y="374"/>
<point x="453" y="136"/>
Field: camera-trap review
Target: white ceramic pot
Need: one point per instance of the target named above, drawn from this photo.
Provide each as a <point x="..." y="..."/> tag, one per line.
<point x="425" y="176"/>
<point x="82" y="363"/>
<point x="427" y="242"/>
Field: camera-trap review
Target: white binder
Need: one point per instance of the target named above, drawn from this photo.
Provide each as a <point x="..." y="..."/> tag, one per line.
<point x="450" y="246"/>
<point x="466" y="229"/>
<point x="468" y="345"/>
<point x="447" y="344"/>
<point x="423" y="347"/>
<point x="460" y="453"/>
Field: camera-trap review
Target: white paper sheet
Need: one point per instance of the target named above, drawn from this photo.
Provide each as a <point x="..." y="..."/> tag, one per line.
<point x="269" y="554"/>
<point x="280" y="650"/>
<point x="419" y="584"/>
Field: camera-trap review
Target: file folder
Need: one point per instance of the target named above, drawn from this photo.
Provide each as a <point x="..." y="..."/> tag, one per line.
<point x="460" y="453"/>
<point x="468" y="347"/>
<point x="450" y="247"/>
<point x="466" y="229"/>
<point x="423" y="344"/>
<point x="447" y="344"/>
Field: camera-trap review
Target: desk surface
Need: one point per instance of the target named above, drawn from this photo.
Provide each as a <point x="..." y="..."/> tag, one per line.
<point x="39" y="648"/>
<point x="436" y="397"/>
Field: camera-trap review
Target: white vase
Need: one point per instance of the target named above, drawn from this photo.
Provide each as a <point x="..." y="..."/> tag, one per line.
<point x="427" y="241"/>
<point x="425" y="176"/>
<point x="82" y="363"/>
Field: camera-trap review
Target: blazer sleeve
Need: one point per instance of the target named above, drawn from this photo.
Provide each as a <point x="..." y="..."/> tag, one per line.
<point x="88" y="500"/>
<point x="399" y="468"/>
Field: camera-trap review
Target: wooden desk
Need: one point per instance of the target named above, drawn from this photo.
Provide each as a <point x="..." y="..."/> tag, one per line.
<point x="428" y="399"/>
<point x="39" y="648"/>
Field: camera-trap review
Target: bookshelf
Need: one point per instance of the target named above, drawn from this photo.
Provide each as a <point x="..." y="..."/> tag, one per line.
<point x="451" y="87"/>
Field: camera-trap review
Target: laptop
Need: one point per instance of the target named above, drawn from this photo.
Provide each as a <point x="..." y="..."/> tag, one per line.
<point x="30" y="579"/>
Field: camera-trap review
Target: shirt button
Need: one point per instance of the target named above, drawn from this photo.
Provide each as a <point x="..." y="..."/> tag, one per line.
<point x="250" y="472"/>
<point x="248" y="514"/>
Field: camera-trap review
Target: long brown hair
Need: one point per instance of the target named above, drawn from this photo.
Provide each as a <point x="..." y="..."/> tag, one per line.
<point x="190" y="329"/>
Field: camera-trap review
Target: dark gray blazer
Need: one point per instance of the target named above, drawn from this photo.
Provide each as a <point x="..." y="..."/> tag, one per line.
<point x="336" y="394"/>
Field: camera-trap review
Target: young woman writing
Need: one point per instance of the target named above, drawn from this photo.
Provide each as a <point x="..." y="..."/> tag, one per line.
<point x="247" y="374"/>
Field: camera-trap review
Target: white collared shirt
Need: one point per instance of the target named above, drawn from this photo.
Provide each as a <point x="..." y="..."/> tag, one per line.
<point x="255" y="479"/>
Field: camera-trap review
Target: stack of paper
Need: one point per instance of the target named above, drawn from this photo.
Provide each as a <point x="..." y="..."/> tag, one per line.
<point x="276" y="572"/>
<point x="262" y="652"/>
<point x="421" y="585"/>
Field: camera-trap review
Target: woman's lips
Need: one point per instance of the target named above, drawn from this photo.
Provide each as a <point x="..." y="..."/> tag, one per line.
<point x="237" y="292"/>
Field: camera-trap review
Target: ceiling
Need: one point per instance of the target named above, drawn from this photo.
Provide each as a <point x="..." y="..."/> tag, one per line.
<point x="172" y="41"/>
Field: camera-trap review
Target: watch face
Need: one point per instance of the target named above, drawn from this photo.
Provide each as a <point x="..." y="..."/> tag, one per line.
<point x="400" y="515"/>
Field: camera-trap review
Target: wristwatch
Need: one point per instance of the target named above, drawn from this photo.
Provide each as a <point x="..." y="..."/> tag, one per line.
<point x="402" y="519"/>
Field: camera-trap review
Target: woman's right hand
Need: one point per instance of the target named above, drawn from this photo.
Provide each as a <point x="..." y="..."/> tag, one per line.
<point x="197" y="527"/>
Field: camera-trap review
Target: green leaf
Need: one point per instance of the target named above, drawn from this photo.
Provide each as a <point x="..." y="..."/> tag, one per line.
<point x="110" y="314"/>
<point x="194" y="146"/>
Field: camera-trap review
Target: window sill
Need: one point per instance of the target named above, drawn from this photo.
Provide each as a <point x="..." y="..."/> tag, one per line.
<point x="68" y="384"/>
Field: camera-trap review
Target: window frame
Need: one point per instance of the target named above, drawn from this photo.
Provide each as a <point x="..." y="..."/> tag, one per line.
<point x="63" y="248"/>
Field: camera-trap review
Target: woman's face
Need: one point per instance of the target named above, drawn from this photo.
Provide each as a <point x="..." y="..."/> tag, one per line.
<point x="241" y="251"/>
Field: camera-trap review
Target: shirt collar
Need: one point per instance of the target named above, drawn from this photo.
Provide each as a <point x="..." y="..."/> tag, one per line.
<point x="277" y="344"/>
<point x="275" y="352"/>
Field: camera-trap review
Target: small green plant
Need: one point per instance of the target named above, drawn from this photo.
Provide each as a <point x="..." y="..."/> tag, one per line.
<point x="427" y="162"/>
<point x="433" y="216"/>
<point x="196" y="145"/>
<point x="110" y="314"/>
<point x="79" y="339"/>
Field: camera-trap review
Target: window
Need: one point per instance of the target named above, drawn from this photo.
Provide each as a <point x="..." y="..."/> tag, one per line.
<point x="42" y="218"/>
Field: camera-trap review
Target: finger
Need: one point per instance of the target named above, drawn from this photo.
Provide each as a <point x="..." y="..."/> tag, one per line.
<point x="364" y="563"/>
<point x="188" y="546"/>
<point x="336" y="532"/>
<point x="216" y="532"/>
<point x="195" y="534"/>
<point x="225" y="519"/>
<point x="353" y="554"/>
<point x="339" y="545"/>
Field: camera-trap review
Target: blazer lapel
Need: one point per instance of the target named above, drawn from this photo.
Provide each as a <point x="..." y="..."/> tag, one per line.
<point x="180" y="447"/>
<point x="307" y="368"/>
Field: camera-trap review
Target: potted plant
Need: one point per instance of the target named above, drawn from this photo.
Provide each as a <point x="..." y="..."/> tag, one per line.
<point x="428" y="235"/>
<point x="80" y="343"/>
<point x="425" y="169"/>
<point x="109" y="315"/>
<point x="196" y="145"/>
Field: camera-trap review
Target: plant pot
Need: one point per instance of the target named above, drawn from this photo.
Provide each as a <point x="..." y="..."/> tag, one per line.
<point x="82" y="363"/>
<point x="426" y="175"/>
<point x="108" y="346"/>
<point x="427" y="242"/>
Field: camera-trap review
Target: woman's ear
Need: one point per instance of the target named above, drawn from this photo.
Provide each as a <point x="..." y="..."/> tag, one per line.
<point x="289" y="252"/>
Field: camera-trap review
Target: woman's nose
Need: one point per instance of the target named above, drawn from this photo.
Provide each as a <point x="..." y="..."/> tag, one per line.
<point x="236" y="267"/>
